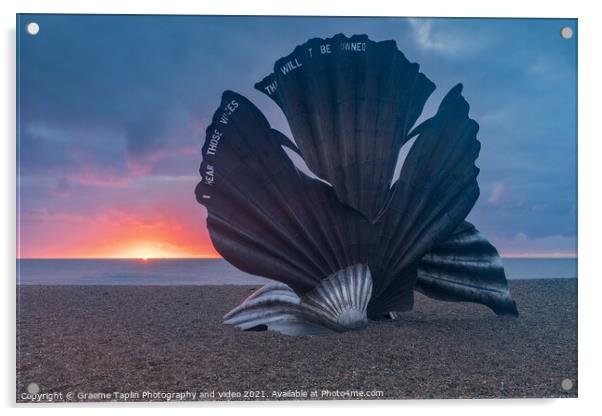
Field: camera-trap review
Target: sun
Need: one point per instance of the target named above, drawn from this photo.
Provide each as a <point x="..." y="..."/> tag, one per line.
<point x="145" y="251"/>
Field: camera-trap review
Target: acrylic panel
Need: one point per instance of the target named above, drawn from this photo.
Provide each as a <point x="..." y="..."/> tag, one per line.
<point x="295" y="208"/>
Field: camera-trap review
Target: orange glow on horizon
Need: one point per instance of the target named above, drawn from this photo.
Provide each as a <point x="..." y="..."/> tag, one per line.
<point x="146" y="250"/>
<point x="166" y="232"/>
<point x="116" y="235"/>
<point x="143" y="254"/>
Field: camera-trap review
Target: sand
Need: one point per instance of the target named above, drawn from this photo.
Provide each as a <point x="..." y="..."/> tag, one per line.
<point x="104" y="343"/>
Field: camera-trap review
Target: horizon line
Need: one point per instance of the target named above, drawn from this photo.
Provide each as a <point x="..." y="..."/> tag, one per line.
<point x="510" y="256"/>
<point x="121" y="258"/>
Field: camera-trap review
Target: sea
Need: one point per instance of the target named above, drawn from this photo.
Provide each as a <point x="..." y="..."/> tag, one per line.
<point x="214" y="271"/>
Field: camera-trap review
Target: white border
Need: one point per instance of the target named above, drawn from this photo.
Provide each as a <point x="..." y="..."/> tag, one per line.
<point x="590" y="136"/>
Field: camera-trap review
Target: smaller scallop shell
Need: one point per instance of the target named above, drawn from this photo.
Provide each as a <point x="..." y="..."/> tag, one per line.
<point x="343" y="297"/>
<point x="337" y="304"/>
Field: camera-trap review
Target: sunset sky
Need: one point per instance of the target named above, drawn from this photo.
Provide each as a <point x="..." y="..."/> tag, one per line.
<point x="112" y="112"/>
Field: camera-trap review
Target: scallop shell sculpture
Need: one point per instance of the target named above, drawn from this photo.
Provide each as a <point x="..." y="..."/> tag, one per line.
<point x="353" y="244"/>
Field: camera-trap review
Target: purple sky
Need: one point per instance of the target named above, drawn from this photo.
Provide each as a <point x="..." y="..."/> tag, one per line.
<point x="113" y="110"/>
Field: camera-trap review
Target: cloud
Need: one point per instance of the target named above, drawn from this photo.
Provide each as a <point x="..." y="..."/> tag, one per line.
<point x="496" y="192"/>
<point x="115" y="117"/>
<point x="443" y="40"/>
<point x="423" y="31"/>
<point x="97" y="156"/>
<point x="62" y="188"/>
<point x="112" y="111"/>
<point x="523" y="245"/>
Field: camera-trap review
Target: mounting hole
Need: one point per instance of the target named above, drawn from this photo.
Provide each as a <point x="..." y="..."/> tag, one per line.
<point x="33" y="388"/>
<point x="32" y="28"/>
<point x="566" y="32"/>
<point x="566" y="384"/>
